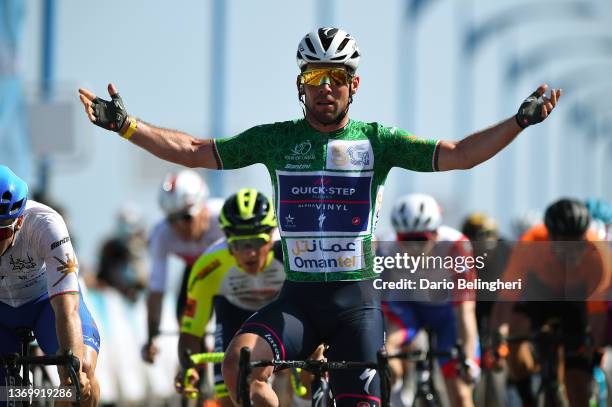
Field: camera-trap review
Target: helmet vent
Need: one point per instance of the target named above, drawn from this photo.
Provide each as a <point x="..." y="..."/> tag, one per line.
<point x="310" y="46"/>
<point x="16" y="206"/>
<point x="326" y="35"/>
<point x="343" y="44"/>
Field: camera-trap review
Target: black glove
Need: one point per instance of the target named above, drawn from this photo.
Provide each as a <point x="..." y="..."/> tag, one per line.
<point x="530" y="111"/>
<point x="110" y="115"/>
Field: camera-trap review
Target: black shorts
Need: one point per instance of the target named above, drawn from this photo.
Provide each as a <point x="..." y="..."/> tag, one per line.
<point x="345" y="315"/>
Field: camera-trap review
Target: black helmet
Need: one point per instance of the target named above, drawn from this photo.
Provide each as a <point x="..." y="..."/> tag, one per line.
<point x="567" y="218"/>
<point x="247" y="212"/>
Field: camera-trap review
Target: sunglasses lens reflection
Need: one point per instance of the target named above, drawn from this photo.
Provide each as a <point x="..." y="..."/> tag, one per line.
<point x="247" y="244"/>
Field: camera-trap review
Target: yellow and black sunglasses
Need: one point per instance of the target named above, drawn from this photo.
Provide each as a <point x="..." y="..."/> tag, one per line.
<point x="326" y="76"/>
<point x="248" y="242"/>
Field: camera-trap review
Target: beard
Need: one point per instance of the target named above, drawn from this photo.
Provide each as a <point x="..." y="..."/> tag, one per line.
<point x="328" y="117"/>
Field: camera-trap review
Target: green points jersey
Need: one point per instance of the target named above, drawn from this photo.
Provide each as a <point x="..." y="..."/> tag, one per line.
<point x="327" y="188"/>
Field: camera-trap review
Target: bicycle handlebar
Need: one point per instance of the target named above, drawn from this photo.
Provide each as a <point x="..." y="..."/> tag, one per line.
<point x="67" y="360"/>
<point x="208" y="357"/>
<point x="318" y="367"/>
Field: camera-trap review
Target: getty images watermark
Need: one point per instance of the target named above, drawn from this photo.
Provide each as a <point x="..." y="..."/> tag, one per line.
<point x="403" y="271"/>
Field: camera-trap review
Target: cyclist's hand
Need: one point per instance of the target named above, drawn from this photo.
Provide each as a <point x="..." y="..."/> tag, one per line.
<point x="492" y="360"/>
<point x="472" y="371"/>
<point x="149" y="351"/>
<point x="108" y="114"/>
<point x="537" y="106"/>
<point x="83" y="380"/>
<point x="186" y="382"/>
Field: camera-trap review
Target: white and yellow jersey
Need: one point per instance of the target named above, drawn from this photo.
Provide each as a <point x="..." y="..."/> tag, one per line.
<point x="216" y="273"/>
<point x="41" y="260"/>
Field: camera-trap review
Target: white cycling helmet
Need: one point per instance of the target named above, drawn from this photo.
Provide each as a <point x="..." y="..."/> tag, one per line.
<point x="328" y="45"/>
<point x="416" y="213"/>
<point x="182" y="191"/>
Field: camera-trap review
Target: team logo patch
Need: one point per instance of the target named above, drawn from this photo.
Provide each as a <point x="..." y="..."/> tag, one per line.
<point x="324" y="202"/>
<point x="22" y="264"/>
<point x="355" y="155"/>
<point x="190" y="307"/>
<point x="66" y="267"/>
<point x="205" y="271"/>
<point x="300" y="152"/>
<point x="57" y="244"/>
<point x="325" y="255"/>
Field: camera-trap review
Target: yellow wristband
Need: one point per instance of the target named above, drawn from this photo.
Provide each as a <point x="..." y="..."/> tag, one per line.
<point x="131" y="129"/>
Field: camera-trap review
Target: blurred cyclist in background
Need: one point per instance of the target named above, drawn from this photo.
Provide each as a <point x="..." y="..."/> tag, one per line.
<point x="564" y="279"/>
<point x="524" y="222"/>
<point x="189" y="228"/>
<point x="483" y="232"/>
<point x="39" y="287"/>
<point x="417" y="218"/>
<point x="601" y="218"/>
<point x="123" y="257"/>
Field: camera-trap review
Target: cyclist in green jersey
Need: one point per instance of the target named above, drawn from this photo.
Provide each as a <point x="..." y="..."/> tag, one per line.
<point x="328" y="173"/>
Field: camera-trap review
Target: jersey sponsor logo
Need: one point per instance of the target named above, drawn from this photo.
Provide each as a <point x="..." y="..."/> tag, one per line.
<point x="209" y="268"/>
<point x="290" y="166"/>
<point x="322" y="218"/>
<point x="66" y="267"/>
<point x="301" y="151"/>
<point x="377" y="206"/>
<point x="368" y="376"/>
<point x="22" y="264"/>
<point x="57" y="244"/>
<point x="271" y="340"/>
<point x="190" y="307"/>
<point x="324" y="202"/>
<point x="349" y="155"/>
<point x="325" y="255"/>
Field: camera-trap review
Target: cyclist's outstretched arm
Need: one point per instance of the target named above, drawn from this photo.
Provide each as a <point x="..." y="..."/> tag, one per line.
<point x="169" y="145"/>
<point x="481" y="146"/>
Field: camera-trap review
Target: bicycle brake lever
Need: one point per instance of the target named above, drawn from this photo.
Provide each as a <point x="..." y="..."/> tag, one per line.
<point x="74" y="365"/>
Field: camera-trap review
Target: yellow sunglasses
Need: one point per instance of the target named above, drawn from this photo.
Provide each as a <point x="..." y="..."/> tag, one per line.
<point x="326" y="76"/>
<point x="248" y="242"/>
